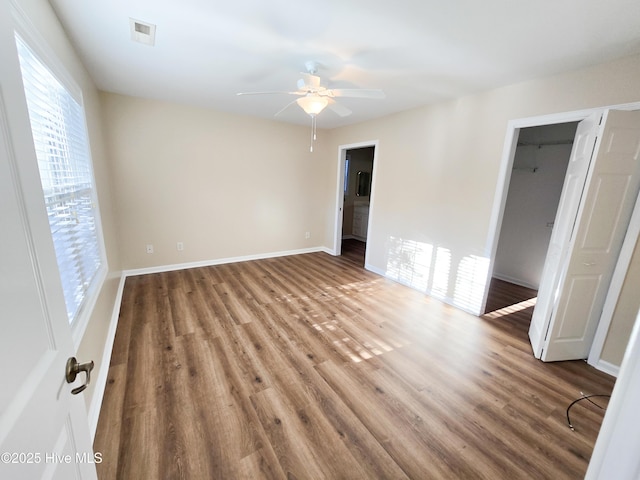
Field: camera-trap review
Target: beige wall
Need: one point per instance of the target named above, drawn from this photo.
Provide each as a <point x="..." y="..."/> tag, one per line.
<point x="225" y="185"/>
<point x="46" y="23"/>
<point x="437" y="170"/>
<point x="625" y="313"/>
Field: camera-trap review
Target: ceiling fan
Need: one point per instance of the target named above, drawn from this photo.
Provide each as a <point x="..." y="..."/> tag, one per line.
<point x="313" y="98"/>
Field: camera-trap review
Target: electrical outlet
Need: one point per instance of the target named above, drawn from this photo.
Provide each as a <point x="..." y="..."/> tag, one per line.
<point x="149" y="248"/>
<point x="307" y="235"/>
<point x="180" y="246"/>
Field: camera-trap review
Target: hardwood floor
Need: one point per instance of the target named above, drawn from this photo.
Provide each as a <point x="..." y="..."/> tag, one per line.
<point x="354" y="250"/>
<point x="504" y="294"/>
<point x="311" y="367"/>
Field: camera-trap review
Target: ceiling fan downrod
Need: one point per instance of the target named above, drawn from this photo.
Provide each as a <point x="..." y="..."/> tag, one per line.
<point x="313" y="132"/>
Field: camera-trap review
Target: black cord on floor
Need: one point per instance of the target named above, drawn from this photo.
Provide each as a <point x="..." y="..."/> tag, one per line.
<point x="584" y="397"/>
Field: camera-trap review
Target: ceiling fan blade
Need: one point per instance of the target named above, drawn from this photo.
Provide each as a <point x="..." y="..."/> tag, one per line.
<point x="285" y="107"/>
<point x="309" y="81"/>
<point x="356" y="93"/>
<point x="271" y="93"/>
<point x="338" y="108"/>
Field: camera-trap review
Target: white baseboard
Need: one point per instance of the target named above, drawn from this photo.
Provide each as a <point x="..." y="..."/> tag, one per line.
<point x="607" y="367"/>
<point x="515" y="281"/>
<point x="221" y="261"/>
<point x="373" y="269"/>
<point x="103" y="374"/>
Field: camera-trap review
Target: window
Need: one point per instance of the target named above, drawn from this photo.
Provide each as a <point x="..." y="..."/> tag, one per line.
<point x="62" y="149"/>
<point x="346" y="174"/>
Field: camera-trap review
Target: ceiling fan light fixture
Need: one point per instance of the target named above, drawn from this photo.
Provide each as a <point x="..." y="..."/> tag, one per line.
<point x="313" y="97"/>
<point x="312" y="104"/>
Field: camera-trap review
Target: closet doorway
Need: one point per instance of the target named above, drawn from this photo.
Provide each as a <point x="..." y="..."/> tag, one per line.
<point x="537" y="176"/>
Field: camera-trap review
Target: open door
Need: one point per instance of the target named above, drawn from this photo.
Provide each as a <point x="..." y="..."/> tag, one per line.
<point x="44" y="431"/>
<point x="43" y="427"/>
<point x="583" y="252"/>
<point x="576" y="175"/>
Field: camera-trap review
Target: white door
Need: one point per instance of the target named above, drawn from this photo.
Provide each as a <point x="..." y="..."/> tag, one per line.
<point x="43" y="427"/>
<point x="602" y="218"/>
<point x="605" y="211"/>
<point x="576" y="175"/>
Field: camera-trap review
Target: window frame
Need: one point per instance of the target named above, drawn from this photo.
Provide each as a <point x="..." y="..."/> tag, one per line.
<point x="43" y="52"/>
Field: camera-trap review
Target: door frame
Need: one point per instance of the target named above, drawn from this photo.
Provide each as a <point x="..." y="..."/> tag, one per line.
<point x="611" y="301"/>
<point x="504" y="176"/>
<point x="615" y="452"/>
<point x="339" y="210"/>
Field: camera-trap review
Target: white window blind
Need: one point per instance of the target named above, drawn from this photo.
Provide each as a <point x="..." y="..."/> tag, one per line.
<point x="62" y="149"/>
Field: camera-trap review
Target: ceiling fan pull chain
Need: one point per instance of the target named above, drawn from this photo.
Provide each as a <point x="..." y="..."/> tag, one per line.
<point x="313" y="133"/>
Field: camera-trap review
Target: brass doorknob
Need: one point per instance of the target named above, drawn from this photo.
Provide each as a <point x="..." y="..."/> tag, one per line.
<point x="73" y="369"/>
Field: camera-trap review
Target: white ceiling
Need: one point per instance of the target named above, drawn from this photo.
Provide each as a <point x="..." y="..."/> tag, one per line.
<point x="417" y="51"/>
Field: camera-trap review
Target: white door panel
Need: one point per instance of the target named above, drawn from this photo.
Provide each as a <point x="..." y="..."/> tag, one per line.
<point x="605" y="207"/>
<point x="36" y="405"/>
<point x="40" y="420"/>
<point x="610" y="193"/>
<point x="572" y="189"/>
<point x="580" y="294"/>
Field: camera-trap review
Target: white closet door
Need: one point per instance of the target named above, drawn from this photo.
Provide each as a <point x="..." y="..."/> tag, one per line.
<point x="605" y="210"/>
<point x="552" y="271"/>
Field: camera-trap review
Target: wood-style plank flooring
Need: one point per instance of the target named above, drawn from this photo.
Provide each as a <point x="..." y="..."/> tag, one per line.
<point x="504" y="295"/>
<point x="354" y="250"/>
<point x="310" y="367"/>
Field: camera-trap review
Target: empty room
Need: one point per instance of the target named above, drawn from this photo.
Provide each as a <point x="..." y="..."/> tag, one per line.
<point x="312" y="240"/>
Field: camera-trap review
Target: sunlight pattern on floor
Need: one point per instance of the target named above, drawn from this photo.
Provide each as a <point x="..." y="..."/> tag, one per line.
<point x="355" y="349"/>
<point x="511" y="308"/>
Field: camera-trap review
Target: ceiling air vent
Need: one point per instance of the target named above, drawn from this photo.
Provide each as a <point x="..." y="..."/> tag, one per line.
<point x="142" y="32"/>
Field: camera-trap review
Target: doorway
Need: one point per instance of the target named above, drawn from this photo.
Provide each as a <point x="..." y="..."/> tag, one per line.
<point x="535" y="186"/>
<point x="357" y="197"/>
<point x="617" y="161"/>
<point x="354" y="202"/>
